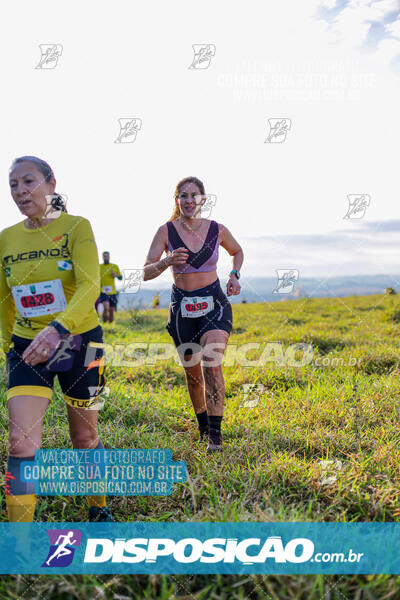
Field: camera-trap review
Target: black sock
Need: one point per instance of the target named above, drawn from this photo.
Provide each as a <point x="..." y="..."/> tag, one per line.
<point x="202" y="419"/>
<point x="214" y="422"/>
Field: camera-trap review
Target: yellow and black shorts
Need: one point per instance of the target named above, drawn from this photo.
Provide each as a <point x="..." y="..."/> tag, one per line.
<point x="78" y="362"/>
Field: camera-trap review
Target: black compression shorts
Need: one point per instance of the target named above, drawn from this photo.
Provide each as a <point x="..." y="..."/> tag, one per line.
<point x="79" y="363"/>
<point x="187" y="329"/>
<point x="111" y="298"/>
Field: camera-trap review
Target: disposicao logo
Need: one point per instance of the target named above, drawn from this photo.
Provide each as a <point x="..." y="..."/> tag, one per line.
<point x="63" y="543"/>
<point x="190" y="550"/>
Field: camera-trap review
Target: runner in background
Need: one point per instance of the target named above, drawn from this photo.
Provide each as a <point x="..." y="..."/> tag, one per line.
<point x="156" y="300"/>
<point x="108" y="294"/>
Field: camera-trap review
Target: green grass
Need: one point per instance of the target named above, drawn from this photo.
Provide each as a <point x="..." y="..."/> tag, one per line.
<point x="270" y="469"/>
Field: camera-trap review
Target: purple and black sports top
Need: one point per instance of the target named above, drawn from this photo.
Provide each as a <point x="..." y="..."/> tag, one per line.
<point x="198" y="262"/>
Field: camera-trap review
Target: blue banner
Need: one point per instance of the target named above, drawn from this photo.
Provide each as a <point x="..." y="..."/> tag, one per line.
<point x="192" y="548"/>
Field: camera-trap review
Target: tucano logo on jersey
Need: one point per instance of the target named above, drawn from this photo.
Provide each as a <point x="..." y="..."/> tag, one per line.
<point x="61" y="252"/>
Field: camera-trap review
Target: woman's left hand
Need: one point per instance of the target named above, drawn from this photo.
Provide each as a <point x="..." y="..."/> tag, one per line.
<point x="42" y="347"/>
<point x="233" y="286"/>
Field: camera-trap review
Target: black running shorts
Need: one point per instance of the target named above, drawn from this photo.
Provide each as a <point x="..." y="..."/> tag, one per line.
<point x="187" y="329"/>
<point x="79" y="363"/>
<point x="111" y="298"/>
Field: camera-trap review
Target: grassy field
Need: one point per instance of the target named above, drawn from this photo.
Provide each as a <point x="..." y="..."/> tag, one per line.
<point x="341" y="407"/>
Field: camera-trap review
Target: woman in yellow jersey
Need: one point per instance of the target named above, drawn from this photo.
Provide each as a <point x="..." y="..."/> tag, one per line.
<point x="49" y="281"/>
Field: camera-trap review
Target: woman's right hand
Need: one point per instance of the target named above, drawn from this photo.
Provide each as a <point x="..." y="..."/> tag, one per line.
<point x="42" y="347"/>
<point x="178" y="256"/>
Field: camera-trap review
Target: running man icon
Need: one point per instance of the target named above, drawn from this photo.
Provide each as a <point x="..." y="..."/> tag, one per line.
<point x="62" y="549"/>
<point x="63" y="543"/>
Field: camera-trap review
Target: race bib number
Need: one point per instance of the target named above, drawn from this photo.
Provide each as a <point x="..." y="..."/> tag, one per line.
<point x="196" y="306"/>
<point x="39" y="299"/>
<point x="107" y="289"/>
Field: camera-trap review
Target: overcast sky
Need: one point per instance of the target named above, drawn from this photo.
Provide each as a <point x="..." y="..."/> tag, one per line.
<point x="332" y="69"/>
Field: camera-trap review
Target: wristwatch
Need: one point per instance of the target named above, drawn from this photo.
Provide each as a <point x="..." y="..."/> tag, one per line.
<point x="60" y="328"/>
<point x="236" y="273"/>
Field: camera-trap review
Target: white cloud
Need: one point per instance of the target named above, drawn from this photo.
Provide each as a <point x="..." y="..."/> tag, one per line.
<point x="351" y="25"/>
<point x="393" y="29"/>
<point x="328" y="3"/>
<point x="364" y="248"/>
<point x="388" y="49"/>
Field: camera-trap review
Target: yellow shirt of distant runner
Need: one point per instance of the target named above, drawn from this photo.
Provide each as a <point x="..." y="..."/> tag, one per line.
<point x="107" y="284"/>
<point x="45" y="268"/>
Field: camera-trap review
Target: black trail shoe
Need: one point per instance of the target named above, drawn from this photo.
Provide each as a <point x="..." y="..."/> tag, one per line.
<point x="203" y="430"/>
<point x="100" y="514"/>
<point x="214" y="441"/>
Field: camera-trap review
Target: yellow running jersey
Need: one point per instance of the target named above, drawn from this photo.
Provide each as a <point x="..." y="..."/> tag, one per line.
<point x="107" y="285"/>
<point x="46" y="274"/>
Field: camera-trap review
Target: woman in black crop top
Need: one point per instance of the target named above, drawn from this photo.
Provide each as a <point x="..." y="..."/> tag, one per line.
<point x="200" y="317"/>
